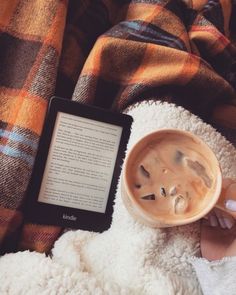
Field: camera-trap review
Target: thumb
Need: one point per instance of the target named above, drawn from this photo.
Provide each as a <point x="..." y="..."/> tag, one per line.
<point x="230" y="205"/>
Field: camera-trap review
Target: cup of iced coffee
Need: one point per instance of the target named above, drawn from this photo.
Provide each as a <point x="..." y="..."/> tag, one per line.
<point x="171" y="177"/>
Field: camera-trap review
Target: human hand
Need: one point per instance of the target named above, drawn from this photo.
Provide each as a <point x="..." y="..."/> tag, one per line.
<point x="221" y="217"/>
<point x="218" y="231"/>
<point x="217" y="242"/>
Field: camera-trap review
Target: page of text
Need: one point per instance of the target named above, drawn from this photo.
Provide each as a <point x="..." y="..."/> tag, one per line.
<point x="80" y="163"/>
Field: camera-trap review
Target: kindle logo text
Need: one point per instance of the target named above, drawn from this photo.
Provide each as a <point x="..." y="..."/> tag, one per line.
<point x="67" y="217"/>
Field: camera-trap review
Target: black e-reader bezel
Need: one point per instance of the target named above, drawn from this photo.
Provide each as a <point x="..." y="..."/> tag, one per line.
<point x="50" y="214"/>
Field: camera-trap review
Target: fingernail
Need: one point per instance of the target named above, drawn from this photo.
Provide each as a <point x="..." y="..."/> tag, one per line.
<point x="231" y="205"/>
<point x="213" y="221"/>
<point x="228" y="223"/>
<point x="222" y="223"/>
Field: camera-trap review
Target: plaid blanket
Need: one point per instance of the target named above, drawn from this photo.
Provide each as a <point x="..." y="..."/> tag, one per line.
<point x="108" y="53"/>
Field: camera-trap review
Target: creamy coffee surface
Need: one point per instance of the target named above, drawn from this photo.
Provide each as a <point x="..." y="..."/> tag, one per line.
<point x="171" y="177"/>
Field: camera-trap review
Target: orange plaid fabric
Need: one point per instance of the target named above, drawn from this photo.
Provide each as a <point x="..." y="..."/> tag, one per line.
<point x="31" y="34"/>
<point x="162" y="49"/>
<point x="114" y="53"/>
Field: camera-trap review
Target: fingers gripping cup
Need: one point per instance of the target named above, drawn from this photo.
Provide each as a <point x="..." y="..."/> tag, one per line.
<point x="171" y="177"/>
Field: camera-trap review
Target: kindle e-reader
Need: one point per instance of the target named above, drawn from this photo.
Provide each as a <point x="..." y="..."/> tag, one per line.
<point x="77" y="166"/>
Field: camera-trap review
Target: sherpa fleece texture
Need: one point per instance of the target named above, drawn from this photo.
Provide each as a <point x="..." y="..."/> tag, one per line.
<point x="129" y="258"/>
<point x="216" y="277"/>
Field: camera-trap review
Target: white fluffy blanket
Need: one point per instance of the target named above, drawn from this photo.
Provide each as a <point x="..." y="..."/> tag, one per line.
<point x="129" y="258"/>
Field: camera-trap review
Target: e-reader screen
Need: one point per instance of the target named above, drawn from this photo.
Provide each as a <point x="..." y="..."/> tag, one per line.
<point x="77" y="167"/>
<point x="80" y="163"/>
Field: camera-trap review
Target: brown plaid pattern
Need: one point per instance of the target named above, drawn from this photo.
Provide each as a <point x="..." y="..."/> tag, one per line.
<point x="162" y="49"/>
<point x="114" y="53"/>
<point x="31" y="35"/>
